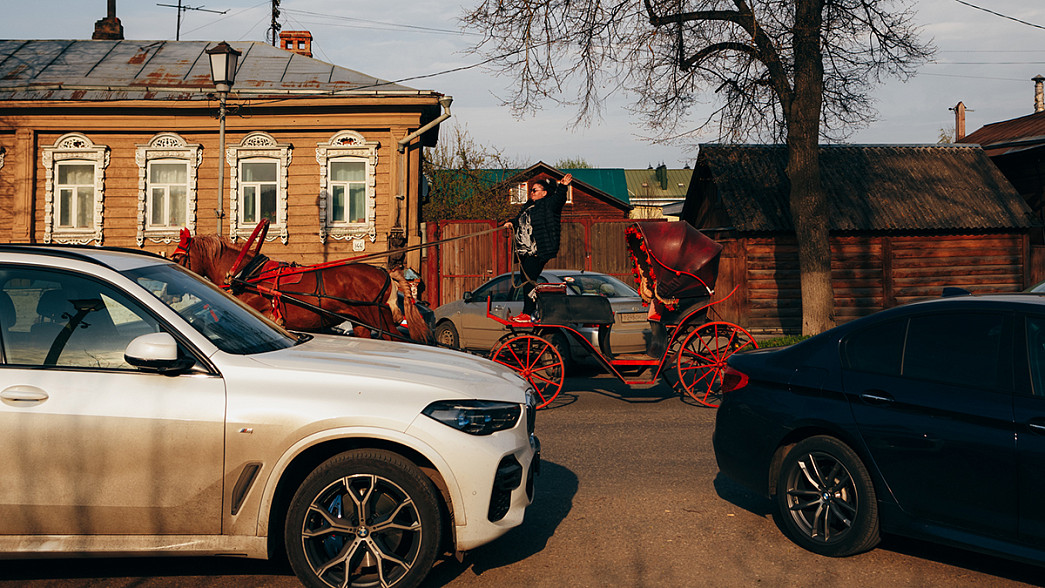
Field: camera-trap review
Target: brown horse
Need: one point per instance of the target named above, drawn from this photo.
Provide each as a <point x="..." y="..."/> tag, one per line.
<point x="357" y="292"/>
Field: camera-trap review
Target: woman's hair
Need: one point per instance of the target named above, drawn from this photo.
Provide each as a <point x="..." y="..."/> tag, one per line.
<point x="545" y="183"/>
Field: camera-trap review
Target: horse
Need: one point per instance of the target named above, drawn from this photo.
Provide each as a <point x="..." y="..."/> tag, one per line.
<point x="358" y="292"/>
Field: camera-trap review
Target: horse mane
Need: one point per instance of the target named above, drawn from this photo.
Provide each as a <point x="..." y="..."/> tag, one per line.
<point x="210" y="249"/>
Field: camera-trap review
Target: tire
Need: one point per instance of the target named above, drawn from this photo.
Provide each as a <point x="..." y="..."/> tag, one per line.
<point x="536" y="360"/>
<point x="825" y="499"/>
<point x="701" y="360"/>
<point x="402" y="531"/>
<point x="446" y="335"/>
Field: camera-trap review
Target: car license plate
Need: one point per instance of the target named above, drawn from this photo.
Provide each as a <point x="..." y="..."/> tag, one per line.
<point x="632" y="317"/>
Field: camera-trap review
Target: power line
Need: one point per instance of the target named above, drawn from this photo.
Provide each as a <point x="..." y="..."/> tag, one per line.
<point x="1030" y="24"/>
<point x="381" y="23"/>
<point x="1039" y="62"/>
<point x="972" y="77"/>
<point x="237" y="13"/>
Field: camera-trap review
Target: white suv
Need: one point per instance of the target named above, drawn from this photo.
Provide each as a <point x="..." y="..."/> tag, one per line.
<point x="144" y="411"/>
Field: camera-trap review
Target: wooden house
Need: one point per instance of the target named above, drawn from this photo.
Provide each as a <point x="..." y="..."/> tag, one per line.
<point x="905" y="222"/>
<point x="116" y="142"/>
<point x="593" y="221"/>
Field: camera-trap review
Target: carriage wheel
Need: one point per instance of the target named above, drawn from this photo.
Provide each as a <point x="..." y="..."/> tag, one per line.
<point x="703" y="355"/>
<point x="535" y="359"/>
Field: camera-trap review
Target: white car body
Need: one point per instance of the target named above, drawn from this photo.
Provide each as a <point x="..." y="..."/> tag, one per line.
<point x="104" y="460"/>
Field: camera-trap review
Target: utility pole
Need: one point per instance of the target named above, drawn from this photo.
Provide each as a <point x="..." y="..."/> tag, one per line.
<point x="181" y="9"/>
<point x="275" y="23"/>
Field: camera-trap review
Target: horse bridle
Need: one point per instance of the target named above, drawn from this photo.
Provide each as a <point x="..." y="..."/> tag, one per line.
<point x="181" y="252"/>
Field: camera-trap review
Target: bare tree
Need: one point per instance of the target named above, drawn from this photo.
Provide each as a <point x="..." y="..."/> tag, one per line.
<point x="792" y="71"/>
<point x="466" y="179"/>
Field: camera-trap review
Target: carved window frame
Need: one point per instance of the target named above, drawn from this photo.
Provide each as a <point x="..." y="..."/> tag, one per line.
<point x="347" y="145"/>
<point x="259" y="145"/>
<point x="166" y="146"/>
<point x="74" y="147"/>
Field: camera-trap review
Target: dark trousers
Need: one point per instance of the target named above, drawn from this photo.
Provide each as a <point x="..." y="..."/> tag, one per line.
<point x="531" y="267"/>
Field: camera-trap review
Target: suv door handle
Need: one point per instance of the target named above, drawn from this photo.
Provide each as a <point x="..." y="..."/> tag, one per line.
<point x="21" y="395"/>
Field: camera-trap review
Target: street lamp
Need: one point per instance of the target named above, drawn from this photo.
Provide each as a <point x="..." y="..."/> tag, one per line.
<point x="223" y="59"/>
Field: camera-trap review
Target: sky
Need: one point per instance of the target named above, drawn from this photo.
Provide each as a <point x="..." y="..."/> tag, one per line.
<point x="984" y="60"/>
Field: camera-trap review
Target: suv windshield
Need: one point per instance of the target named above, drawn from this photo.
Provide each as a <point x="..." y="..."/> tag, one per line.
<point x="231" y="325"/>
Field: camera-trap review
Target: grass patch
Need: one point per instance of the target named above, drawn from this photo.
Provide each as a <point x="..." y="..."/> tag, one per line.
<point x="782" y="341"/>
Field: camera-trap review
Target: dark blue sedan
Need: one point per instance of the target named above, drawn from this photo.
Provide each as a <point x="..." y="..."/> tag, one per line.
<point x="926" y="420"/>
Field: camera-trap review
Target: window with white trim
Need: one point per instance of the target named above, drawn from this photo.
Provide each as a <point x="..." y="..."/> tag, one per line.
<point x="168" y="191"/>
<point x="75" y="189"/>
<point x="347" y="187"/>
<point x="258" y="185"/>
<point x="258" y="188"/>
<point x="167" y="167"/>
<point x="73" y="197"/>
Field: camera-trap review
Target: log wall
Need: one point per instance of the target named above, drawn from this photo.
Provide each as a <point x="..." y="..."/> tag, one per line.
<point x="869" y="273"/>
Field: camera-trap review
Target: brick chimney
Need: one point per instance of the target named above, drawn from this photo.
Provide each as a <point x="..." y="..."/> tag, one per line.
<point x="296" y="42"/>
<point x="959" y="121"/>
<point x="108" y="28"/>
<point x="1039" y="95"/>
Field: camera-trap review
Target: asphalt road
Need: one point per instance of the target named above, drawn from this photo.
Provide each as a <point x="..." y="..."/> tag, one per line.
<point x="629" y="496"/>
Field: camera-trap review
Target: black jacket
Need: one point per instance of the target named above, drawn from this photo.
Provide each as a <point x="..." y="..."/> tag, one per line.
<point x="545" y="218"/>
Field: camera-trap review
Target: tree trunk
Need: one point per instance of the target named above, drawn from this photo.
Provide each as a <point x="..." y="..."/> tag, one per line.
<point x="809" y="210"/>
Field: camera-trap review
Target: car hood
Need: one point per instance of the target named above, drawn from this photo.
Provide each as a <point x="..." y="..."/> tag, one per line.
<point x="405" y="362"/>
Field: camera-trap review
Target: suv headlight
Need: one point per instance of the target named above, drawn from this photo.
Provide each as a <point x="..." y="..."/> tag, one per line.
<point x="475" y="417"/>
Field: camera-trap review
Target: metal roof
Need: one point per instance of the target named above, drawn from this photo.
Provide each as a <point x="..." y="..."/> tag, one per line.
<point x="168" y="70"/>
<point x="644" y="184"/>
<point x="609" y="180"/>
<point x="868" y="188"/>
<point x="1009" y="136"/>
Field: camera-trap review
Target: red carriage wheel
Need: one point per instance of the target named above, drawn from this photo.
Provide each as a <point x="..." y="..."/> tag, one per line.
<point x="535" y="359"/>
<point x="703" y="355"/>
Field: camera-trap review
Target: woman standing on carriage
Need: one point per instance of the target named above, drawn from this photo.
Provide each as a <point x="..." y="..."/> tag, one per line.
<point x="535" y="237"/>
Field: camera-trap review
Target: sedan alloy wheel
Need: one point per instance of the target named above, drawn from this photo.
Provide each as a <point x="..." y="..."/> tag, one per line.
<point x="825" y="498"/>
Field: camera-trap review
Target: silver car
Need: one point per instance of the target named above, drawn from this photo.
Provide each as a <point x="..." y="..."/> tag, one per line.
<point x="463" y="324"/>
<point x="144" y="411"/>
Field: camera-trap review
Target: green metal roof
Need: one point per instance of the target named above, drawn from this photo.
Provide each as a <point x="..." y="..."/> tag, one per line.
<point x="610" y="180"/>
<point x="643" y="183"/>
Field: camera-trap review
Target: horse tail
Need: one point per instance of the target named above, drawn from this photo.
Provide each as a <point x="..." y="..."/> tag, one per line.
<point x="415" y="322"/>
<point x="393" y="303"/>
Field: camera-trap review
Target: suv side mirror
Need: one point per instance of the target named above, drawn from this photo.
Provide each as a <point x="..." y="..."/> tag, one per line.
<point x="156" y="353"/>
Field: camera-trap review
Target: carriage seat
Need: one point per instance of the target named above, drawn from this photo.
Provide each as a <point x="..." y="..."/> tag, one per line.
<point x="555" y="307"/>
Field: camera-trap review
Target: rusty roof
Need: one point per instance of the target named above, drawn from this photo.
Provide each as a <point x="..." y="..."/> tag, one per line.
<point x="868" y="188"/>
<point x="169" y="70"/>
<point x="1009" y="136"/>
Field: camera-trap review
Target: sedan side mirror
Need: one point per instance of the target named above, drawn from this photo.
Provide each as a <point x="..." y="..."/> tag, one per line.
<point x="467" y="296"/>
<point x="156" y="353"/>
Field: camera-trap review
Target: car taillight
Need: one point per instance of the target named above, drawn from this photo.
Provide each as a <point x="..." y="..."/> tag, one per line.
<point x="733" y="380"/>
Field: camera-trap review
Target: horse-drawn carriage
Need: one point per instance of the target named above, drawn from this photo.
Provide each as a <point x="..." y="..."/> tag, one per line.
<point x="675" y="266"/>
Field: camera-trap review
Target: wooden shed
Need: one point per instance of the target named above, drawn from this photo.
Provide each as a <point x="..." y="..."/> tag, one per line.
<point x="905" y="222"/>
